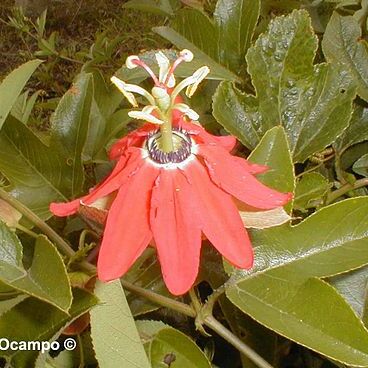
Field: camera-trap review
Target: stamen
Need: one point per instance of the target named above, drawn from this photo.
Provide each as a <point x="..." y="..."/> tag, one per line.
<point x="177" y="156"/>
<point x="185" y="55"/>
<point x="143" y="65"/>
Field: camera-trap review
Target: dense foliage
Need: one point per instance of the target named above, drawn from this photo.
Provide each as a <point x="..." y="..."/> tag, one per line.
<point x="289" y="79"/>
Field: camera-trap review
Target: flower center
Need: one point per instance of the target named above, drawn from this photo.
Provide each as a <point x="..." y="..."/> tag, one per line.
<point x="182" y="147"/>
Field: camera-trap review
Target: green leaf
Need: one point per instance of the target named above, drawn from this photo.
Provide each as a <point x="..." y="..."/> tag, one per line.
<point x="361" y="166"/>
<point x="33" y="320"/>
<point x="165" y="343"/>
<point x="12" y="86"/>
<point x="22" y="108"/>
<point x="236" y="21"/>
<point x="311" y="313"/>
<point x="161" y="7"/>
<point x="46" y="279"/>
<point x="218" y="71"/>
<point x="69" y="130"/>
<point x="114" y="334"/>
<point x="312" y="103"/>
<point x="186" y="352"/>
<point x="281" y="292"/>
<point x="273" y="151"/>
<point x="198" y="29"/>
<point x="356" y="132"/>
<point x="33" y="169"/>
<point x="311" y="187"/>
<point x="343" y="42"/>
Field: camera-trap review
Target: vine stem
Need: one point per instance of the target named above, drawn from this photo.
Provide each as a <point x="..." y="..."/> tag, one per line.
<point x="208" y="319"/>
<point x="61" y="244"/>
<point x="346" y="188"/>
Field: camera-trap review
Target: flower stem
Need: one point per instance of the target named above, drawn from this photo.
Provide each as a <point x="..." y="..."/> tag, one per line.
<point x="159" y="299"/>
<point x="346" y="188"/>
<point x="166" y="139"/>
<point x="226" y="334"/>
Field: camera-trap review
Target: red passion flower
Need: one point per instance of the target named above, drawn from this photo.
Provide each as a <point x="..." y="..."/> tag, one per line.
<point x="169" y="197"/>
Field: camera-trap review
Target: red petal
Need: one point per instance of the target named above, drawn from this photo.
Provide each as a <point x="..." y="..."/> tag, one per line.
<point x="227" y="141"/>
<point x="231" y="177"/>
<point x="176" y="232"/>
<point x="125" y="167"/>
<point x="253" y="169"/>
<point x="135" y="138"/>
<point x="65" y="209"/>
<point x="127" y="231"/>
<point x="219" y="218"/>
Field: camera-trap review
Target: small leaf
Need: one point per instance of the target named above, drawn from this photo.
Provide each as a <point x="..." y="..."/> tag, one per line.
<point x="361" y="166"/>
<point x="46" y="279"/>
<point x="273" y="151"/>
<point x="114" y="334"/>
<point x="170" y="345"/>
<point x="311" y="187"/>
<point x="312" y="102"/>
<point x="12" y="86"/>
<point x="343" y="42"/>
<point x="167" y="345"/>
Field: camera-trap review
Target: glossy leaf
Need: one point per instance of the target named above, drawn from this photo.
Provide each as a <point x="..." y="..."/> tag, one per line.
<point x="281" y="290"/>
<point x="167" y="344"/>
<point x="46" y="279"/>
<point x="33" y="169"/>
<point x="69" y="130"/>
<point x="361" y="166"/>
<point x="311" y="187"/>
<point x="33" y="320"/>
<point x="273" y="151"/>
<point x="114" y="334"/>
<point x="343" y="42"/>
<point x="236" y="21"/>
<point x="312" y="103"/>
<point x="311" y="313"/>
<point x="12" y="86"/>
